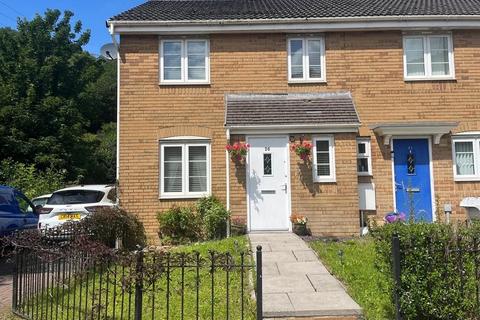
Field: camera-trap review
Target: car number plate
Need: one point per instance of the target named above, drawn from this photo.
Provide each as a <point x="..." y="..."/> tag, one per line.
<point x="69" y="216"/>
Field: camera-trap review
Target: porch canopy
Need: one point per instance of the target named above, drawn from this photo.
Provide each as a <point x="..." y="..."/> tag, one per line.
<point x="436" y="129"/>
<point x="290" y="113"/>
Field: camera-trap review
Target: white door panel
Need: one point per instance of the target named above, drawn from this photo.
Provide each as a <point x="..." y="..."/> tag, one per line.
<point x="268" y="187"/>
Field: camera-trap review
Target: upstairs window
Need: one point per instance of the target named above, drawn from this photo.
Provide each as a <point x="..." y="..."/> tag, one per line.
<point x="428" y="57"/>
<point x="306" y="59"/>
<point x="323" y="159"/>
<point x="185" y="169"/>
<point x="184" y="61"/>
<point x="466" y="158"/>
<point x="364" y="157"/>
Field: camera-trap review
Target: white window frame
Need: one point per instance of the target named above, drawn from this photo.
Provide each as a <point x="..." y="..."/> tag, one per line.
<point x="475" y="140"/>
<point x="184" y="63"/>
<point x="185" y="170"/>
<point x="331" y="153"/>
<point x="427" y="58"/>
<point x="306" y="64"/>
<point x="367" y="155"/>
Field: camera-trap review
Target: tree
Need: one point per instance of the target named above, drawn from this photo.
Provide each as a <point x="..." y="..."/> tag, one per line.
<point x="54" y="97"/>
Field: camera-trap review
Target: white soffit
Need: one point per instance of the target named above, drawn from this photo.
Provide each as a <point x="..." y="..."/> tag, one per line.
<point x="435" y="129"/>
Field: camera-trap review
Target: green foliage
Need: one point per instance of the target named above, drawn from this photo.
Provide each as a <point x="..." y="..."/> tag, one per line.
<point x="437" y="268"/>
<point x="214" y="216"/>
<point x="206" y="221"/>
<point x="180" y="225"/>
<point x="107" y="224"/>
<point x="354" y="263"/>
<point x="53" y="96"/>
<point x="29" y="180"/>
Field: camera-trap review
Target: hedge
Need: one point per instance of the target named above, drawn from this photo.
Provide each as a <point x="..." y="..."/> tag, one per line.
<point x="440" y="267"/>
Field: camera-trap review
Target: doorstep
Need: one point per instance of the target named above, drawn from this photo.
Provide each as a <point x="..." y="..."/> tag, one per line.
<point x="296" y="285"/>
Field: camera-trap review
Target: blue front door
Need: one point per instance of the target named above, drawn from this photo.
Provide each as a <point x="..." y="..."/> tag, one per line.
<point x="413" y="192"/>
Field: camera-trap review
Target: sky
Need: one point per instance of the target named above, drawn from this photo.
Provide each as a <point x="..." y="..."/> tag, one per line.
<point x="92" y="14"/>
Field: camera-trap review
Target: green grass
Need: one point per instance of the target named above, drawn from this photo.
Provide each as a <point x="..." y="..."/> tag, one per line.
<point x="353" y="263"/>
<point x="155" y="294"/>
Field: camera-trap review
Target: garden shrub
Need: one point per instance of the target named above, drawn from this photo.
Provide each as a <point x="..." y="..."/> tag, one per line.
<point x="214" y="216"/>
<point x="180" y="225"/>
<point x="28" y="179"/>
<point x="107" y="224"/>
<point x="438" y="268"/>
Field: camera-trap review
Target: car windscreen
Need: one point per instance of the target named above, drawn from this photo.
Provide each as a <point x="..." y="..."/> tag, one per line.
<point x="76" y="197"/>
<point x="39" y="201"/>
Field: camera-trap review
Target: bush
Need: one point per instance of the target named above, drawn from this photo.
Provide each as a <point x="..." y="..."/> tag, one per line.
<point x="214" y="217"/>
<point x="29" y="180"/>
<point x="180" y="225"/>
<point x="107" y="224"/>
<point x="438" y="276"/>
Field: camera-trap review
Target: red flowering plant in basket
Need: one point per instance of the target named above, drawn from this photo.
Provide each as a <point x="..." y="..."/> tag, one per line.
<point x="237" y="151"/>
<point x="303" y="150"/>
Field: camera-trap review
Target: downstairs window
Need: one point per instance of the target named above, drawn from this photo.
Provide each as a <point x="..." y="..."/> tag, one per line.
<point x="185" y="169"/>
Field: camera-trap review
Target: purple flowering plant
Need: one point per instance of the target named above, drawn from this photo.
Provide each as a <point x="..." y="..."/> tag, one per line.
<point x="392" y="217"/>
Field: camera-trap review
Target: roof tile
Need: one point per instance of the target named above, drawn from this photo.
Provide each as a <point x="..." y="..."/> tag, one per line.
<point x="290" y="109"/>
<point x="175" y="10"/>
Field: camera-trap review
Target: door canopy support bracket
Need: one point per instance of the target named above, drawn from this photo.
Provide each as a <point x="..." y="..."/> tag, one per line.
<point x="434" y="129"/>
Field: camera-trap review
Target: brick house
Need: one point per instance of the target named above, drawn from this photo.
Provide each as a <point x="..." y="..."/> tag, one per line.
<point x="387" y="91"/>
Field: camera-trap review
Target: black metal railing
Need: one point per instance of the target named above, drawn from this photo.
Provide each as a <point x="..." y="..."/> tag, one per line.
<point x="140" y="285"/>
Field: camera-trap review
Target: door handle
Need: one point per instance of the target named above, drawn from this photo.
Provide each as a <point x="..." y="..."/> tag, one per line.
<point x="399" y="186"/>
<point x="284" y="187"/>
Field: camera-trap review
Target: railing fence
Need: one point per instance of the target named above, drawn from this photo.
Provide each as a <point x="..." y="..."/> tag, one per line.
<point x="141" y="285"/>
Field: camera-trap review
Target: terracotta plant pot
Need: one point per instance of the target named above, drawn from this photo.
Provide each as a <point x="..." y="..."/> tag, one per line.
<point x="300" y="229"/>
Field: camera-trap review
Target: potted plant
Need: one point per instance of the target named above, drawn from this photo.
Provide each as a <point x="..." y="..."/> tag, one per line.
<point x="238" y="151"/>
<point x="238" y="226"/>
<point x="303" y="150"/>
<point x="299" y="223"/>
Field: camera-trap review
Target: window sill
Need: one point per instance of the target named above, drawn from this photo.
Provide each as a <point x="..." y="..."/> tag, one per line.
<point x="306" y="81"/>
<point x="183" y="196"/>
<point x="325" y="181"/>
<point x="197" y="83"/>
<point x="366" y="174"/>
<point x="429" y="79"/>
<point x="466" y="179"/>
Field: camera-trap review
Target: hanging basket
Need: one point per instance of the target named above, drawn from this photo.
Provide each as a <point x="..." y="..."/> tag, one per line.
<point x="303" y="150"/>
<point x="238" y="152"/>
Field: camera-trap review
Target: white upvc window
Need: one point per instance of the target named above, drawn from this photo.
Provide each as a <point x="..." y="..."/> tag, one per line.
<point x="364" y="157"/>
<point x="324" y="159"/>
<point x="184" y="61"/>
<point x="466" y="158"/>
<point x="428" y="57"/>
<point x="306" y="59"/>
<point x="184" y="169"/>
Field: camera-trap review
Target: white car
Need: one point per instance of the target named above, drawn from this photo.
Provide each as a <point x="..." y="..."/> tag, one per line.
<point x="41" y="200"/>
<point x="75" y="203"/>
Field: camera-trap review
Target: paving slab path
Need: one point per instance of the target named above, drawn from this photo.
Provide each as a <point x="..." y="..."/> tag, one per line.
<point x="296" y="283"/>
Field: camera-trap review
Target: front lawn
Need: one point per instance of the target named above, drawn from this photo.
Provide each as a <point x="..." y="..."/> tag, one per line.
<point x="107" y="300"/>
<point x="353" y="263"/>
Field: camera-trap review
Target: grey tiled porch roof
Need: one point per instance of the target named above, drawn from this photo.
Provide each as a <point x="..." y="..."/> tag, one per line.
<point x="290" y="109"/>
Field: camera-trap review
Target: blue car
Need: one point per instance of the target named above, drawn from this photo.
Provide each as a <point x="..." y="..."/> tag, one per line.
<point x="16" y="211"/>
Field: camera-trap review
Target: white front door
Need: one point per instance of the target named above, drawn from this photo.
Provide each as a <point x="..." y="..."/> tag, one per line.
<point x="268" y="183"/>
